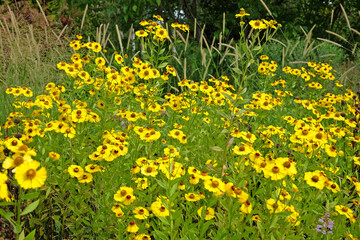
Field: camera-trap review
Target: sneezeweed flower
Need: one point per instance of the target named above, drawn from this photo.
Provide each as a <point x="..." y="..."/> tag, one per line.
<point x="141" y="213"/>
<point x="121" y="194"/>
<point x="215" y="185"/>
<point x="54" y="155"/>
<point x="244" y="149"/>
<point x="91" y="168"/>
<point x="117" y="208"/>
<point x="343" y="210"/>
<point x="315" y="179"/>
<point x="132" y="227"/>
<point x="246" y="207"/>
<point x="75" y="171"/>
<point x="331" y="150"/>
<point x="257" y="24"/>
<point x="15" y="161"/>
<point x="275" y="172"/>
<point x="181" y="186"/>
<point x="4" y="194"/>
<point x="129" y="199"/>
<point x="242" y="13"/>
<point x="149" y="170"/>
<point x="256" y="218"/>
<point x="193" y="197"/>
<point x="28" y="176"/>
<point x="272" y="204"/>
<point x="142" y="183"/>
<point x="159" y="209"/>
<point x="85" y="178"/>
<point x="208" y="211"/>
<point x="143" y="237"/>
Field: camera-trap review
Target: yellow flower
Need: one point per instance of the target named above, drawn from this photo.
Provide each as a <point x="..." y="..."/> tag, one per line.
<point x="4" y="194"/>
<point x="143" y="237"/>
<point x="28" y="176"/>
<point x="15" y="161"/>
<point x="275" y="172"/>
<point x="159" y="209"/>
<point x="141" y="213"/>
<point x="141" y="33"/>
<point x="142" y="183"/>
<point x="242" y="13"/>
<point x="132" y="227"/>
<point x="91" y="168"/>
<point x="257" y="24"/>
<point x="315" y="179"/>
<point x="117" y="208"/>
<point x="181" y="186"/>
<point x="343" y="210"/>
<point x="75" y="171"/>
<point x="122" y="193"/>
<point x="85" y="178"/>
<point x="243" y="149"/>
<point x="193" y="197"/>
<point x="272" y="205"/>
<point x="209" y="213"/>
<point x="214" y="185"/>
<point x="246" y="207"/>
<point x="161" y="34"/>
<point x="149" y="170"/>
<point x="54" y="155"/>
<point x="331" y="150"/>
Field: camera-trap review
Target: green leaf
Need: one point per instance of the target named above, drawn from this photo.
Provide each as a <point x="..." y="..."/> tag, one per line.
<point x="162" y="65"/>
<point x="243" y="91"/>
<point x="17" y="228"/>
<point x="274" y="221"/>
<point x="217" y="148"/>
<point x="236" y="70"/>
<point x="30" y="208"/>
<point x="6" y="203"/>
<point x="257" y="48"/>
<point x="160" y="235"/>
<point x="261" y="229"/>
<point x="158" y="2"/>
<point x="226" y="95"/>
<point x="31" y="195"/>
<point x="7" y="215"/>
<point x="205" y="227"/>
<point x="22" y="235"/>
<point x="161" y="183"/>
<point x="164" y="220"/>
<point x="134" y="8"/>
<point x="173" y="189"/>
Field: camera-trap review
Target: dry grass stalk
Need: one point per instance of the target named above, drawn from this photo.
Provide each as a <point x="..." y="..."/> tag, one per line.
<point x="266" y="7"/>
<point x="329" y="41"/>
<point x="345" y="15"/>
<point x="337" y="35"/>
<point x="206" y="69"/>
<point x="130" y="33"/>
<point x="345" y="73"/>
<point x="83" y="18"/>
<point x="119" y="39"/>
<point x="184" y="67"/>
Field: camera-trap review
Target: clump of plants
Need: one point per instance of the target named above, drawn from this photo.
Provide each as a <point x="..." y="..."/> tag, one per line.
<point x="117" y="152"/>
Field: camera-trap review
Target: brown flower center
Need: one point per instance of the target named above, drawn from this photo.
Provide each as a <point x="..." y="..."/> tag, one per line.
<point x="315" y="178"/>
<point x="31" y="173"/>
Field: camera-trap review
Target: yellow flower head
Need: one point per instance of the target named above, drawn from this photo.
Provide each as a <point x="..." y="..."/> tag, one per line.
<point x="242" y="13"/>
<point x="28" y="176"/>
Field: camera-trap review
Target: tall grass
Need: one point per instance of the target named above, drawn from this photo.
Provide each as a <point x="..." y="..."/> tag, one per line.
<point x="28" y="56"/>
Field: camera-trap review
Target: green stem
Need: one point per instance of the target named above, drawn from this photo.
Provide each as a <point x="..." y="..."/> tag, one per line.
<point x="18" y="209"/>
